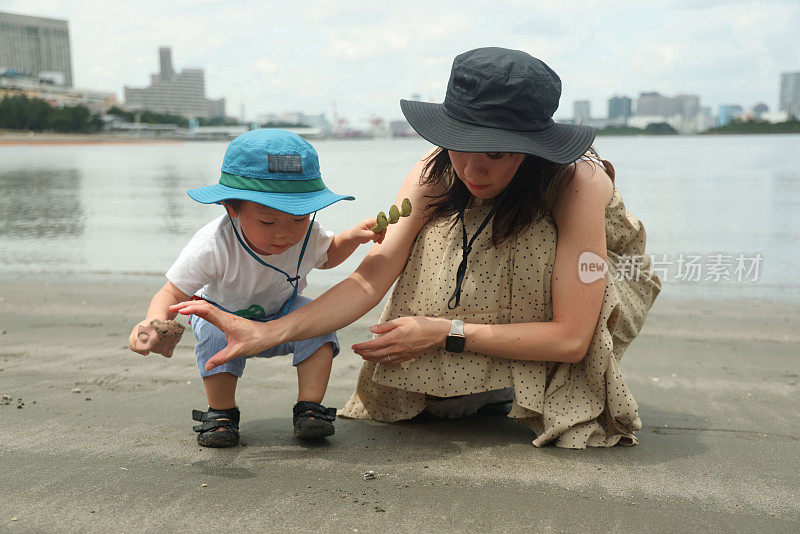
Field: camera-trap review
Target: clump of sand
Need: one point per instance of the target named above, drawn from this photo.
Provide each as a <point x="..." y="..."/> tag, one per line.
<point x="165" y="336"/>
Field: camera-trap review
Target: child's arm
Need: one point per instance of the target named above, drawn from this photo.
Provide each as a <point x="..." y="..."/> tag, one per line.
<point x="142" y="340"/>
<point x="162" y="300"/>
<point x="347" y="242"/>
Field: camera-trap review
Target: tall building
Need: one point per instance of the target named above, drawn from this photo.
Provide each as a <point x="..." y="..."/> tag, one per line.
<point x="177" y="93"/>
<point x="36" y="47"/>
<point x="165" y="63"/>
<point x="688" y="106"/>
<point x="652" y="104"/>
<point x="619" y="108"/>
<point x="705" y="119"/>
<point x="728" y="113"/>
<point x="682" y="112"/>
<point x="790" y="94"/>
<point x="581" y="111"/>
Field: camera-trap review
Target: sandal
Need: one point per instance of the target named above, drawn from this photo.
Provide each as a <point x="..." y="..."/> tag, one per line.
<point x="209" y="434"/>
<point x="313" y="421"/>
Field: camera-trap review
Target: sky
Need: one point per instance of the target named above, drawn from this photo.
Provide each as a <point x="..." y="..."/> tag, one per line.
<point x="277" y="56"/>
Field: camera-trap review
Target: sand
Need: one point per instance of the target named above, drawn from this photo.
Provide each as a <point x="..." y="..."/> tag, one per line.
<point x="97" y="438"/>
<point x="167" y="336"/>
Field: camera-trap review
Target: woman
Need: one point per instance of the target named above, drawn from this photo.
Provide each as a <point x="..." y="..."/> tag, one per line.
<point x="514" y="221"/>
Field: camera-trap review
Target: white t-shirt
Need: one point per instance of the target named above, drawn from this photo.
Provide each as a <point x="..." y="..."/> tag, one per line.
<point x="215" y="266"/>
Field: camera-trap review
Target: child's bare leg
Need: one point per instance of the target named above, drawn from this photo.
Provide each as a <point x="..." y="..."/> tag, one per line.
<point x="313" y="374"/>
<point x="221" y="391"/>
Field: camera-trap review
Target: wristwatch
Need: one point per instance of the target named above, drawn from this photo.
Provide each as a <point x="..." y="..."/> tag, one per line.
<point x="456" y="338"/>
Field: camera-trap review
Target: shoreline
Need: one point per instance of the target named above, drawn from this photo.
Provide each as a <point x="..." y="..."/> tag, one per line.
<point x="704" y="373"/>
<point x="37" y="138"/>
<point x="784" y="296"/>
<point x="21" y="138"/>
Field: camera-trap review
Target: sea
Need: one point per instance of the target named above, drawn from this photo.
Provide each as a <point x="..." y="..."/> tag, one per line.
<point x="722" y="213"/>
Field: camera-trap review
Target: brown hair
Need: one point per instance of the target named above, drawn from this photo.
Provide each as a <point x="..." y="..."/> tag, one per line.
<point x="234" y="203"/>
<point x="527" y="199"/>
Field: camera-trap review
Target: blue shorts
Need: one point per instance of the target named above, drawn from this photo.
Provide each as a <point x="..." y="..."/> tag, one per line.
<point x="211" y="340"/>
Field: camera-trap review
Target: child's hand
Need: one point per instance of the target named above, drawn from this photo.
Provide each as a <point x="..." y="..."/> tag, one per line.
<point x="362" y="233"/>
<point x="157" y="336"/>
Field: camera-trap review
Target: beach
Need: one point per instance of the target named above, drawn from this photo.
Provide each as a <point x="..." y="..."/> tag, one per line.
<point x="99" y="439"/>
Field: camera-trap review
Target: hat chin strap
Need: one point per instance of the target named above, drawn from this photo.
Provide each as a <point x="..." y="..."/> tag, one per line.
<point x="293" y="280"/>
<point x="466" y="248"/>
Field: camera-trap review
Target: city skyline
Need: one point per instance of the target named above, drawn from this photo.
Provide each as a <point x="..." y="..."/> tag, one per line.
<point x="288" y="58"/>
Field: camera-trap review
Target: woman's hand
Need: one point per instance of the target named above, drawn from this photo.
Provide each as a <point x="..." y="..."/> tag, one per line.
<point x="245" y="337"/>
<point x="403" y="339"/>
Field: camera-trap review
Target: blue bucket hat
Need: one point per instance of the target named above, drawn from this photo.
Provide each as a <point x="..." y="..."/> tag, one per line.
<point x="275" y="168"/>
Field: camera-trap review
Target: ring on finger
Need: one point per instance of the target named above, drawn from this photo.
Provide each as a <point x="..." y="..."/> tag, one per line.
<point x="388" y="358"/>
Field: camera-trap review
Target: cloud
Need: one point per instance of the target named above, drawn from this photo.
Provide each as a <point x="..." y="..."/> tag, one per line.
<point x="283" y="56"/>
<point x="266" y="66"/>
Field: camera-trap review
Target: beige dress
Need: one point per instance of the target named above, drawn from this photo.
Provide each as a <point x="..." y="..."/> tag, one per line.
<point x="573" y="405"/>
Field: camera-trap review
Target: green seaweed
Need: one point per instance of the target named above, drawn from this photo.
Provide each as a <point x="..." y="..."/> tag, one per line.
<point x="405" y="208"/>
<point x="394" y="216"/>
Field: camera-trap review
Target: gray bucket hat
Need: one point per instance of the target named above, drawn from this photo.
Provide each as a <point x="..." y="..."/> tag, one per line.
<point x="500" y="100"/>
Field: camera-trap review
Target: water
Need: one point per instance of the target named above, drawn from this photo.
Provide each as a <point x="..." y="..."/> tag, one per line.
<point x="116" y="210"/>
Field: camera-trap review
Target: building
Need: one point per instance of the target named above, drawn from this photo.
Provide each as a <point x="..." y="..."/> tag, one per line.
<point x="642" y="121"/>
<point x="176" y="93"/>
<point x="401" y="128"/>
<point x="774" y="116"/>
<point x="705" y="119"/>
<point x="35" y="47"/>
<point x="619" y="109"/>
<point x="682" y="112"/>
<point x="688" y="106"/>
<point x="297" y="118"/>
<point x="654" y="105"/>
<point x="728" y="113"/>
<point x="57" y="96"/>
<point x="759" y="110"/>
<point x="582" y="111"/>
<point x="790" y="94"/>
<point x="649" y="104"/>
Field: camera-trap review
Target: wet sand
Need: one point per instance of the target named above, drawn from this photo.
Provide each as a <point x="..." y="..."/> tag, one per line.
<point x="97" y="438"/>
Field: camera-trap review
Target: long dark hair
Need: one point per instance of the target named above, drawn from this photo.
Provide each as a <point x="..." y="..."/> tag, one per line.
<point x="527" y="200"/>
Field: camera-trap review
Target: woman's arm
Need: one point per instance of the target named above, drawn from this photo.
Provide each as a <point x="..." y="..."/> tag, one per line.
<point x="339" y="306"/>
<point x="579" y="215"/>
<point x="344" y="244"/>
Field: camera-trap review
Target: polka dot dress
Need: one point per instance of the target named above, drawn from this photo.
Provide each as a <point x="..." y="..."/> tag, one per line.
<point x="571" y="405"/>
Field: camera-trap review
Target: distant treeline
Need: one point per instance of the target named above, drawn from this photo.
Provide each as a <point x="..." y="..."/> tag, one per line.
<point x="19" y="112"/>
<point x="656" y="128"/>
<point x="33" y="114"/>
<point x="148" y="117"/>
<point x="152" y="117"/>
<point x="755" y="126"/>
<point x="282" y="125"/>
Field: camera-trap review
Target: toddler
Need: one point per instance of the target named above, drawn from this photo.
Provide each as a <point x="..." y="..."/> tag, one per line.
<point x="253" y="261"/>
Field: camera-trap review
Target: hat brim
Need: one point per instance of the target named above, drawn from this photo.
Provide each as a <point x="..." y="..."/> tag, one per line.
<point x="292" y="203"/>
<point x="560" y="143"/>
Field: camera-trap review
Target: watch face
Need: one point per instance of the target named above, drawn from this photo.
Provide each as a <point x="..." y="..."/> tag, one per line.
<point x="455" y="343"/>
